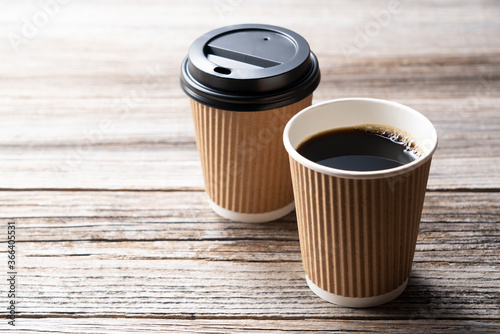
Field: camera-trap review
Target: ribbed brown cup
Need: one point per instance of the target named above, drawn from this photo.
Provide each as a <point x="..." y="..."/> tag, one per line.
<point x="358" y="236"/>
<point x="358" y="229"/>
<point x="245" y="166"/>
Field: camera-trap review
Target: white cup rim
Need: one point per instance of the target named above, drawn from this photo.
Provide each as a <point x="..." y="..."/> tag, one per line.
<point x="430" y="145"/>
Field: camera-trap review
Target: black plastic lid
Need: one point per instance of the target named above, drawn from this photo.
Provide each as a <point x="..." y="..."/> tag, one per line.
<point x="249" y="67"/>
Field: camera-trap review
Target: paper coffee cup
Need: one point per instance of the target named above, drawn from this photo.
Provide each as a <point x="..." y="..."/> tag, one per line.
<point x="358" y="230"/>
<point x="245" y="82"/>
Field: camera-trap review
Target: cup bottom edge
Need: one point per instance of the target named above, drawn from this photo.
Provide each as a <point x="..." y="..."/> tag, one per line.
<point x="251" y="217"/>
<point x="356" y="302"/>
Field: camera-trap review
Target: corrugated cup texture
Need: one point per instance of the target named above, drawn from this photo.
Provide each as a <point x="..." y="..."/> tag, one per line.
<point x="358" y="236"/>
<point x="244" y="164"/>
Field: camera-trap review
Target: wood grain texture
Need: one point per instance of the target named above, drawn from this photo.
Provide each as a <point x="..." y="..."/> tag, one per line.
<point x="119" y="120"/>
<point x="99" y="168"/>
<point x="165" y="255"/>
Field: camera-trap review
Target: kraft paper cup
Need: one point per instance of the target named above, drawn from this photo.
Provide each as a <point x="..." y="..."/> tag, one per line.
<point x="358" y="230"/>
<point x="245" y="82"/>
<point x="245" y="167"/>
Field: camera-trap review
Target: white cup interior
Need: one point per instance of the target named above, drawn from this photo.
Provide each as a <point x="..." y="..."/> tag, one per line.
<point x="354" y="112"/>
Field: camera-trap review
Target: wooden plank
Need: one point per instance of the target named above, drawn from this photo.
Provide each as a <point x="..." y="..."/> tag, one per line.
<point x="161" y="167"/>
<point x="114" y="167"/>
<point x="180" y="225"/>
<point x="306" y="325"/>
<point x="454" y="246"/>
<point x="91" y="286"/>
<point x="52" y="207"/>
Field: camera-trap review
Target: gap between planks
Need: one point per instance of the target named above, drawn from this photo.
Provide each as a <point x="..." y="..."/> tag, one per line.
<point x="455" y="190"/>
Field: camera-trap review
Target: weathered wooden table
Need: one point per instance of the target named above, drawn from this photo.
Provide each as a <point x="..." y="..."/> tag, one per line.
<point x="101" y="181"/>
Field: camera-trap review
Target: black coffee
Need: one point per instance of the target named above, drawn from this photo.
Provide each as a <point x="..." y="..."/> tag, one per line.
<point x="363" y="148"/>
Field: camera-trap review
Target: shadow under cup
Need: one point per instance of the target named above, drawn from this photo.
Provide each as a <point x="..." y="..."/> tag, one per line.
<point x="358" y="230"/>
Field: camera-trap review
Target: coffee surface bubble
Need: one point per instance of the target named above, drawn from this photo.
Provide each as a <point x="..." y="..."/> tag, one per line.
<point x="395" y="135"/>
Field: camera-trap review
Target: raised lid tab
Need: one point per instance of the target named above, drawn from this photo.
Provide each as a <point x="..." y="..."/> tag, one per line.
<point x="249" y="67"/>
<point x="261" y="48"/>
